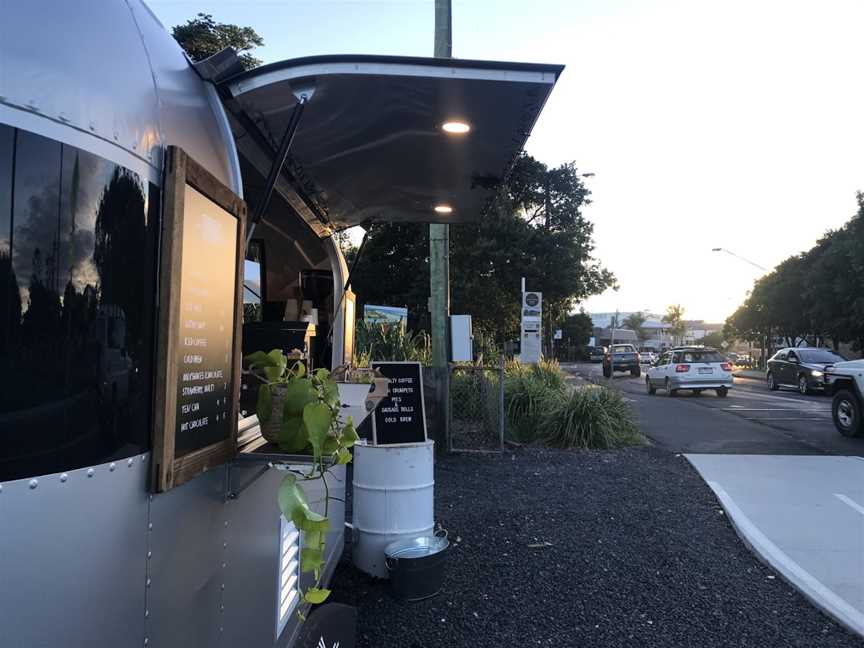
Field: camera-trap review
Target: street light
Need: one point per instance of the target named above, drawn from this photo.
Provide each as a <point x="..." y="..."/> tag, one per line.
<point x="718" y="249"/>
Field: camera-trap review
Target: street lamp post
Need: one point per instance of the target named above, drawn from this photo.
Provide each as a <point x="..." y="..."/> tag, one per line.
<point x="719" y="249"/>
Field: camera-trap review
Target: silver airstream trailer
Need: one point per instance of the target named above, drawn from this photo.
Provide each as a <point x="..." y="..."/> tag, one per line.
<point x="96" y="98"/>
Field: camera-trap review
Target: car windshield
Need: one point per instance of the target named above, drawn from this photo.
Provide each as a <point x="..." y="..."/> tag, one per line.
<point x="623" y="348"/>
<point x="701" y="356"/>
<point x="820" y="356"/>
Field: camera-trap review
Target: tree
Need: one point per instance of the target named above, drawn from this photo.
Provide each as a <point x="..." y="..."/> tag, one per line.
<point x="675" y="318"/>
<point x="634" y="322"/>
<point x="203" y="37"/>
<point x="577" y="328"/>
<point x="535" y="229"/>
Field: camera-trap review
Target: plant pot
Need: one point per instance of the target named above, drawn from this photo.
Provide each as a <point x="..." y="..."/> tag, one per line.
<point x="270" y="429"/>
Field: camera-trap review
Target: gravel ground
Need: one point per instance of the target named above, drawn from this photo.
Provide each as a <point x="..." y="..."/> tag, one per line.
<point x="593" y="549"/>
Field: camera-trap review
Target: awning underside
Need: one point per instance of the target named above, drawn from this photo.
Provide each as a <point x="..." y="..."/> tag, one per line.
<point x="370" y="147"/>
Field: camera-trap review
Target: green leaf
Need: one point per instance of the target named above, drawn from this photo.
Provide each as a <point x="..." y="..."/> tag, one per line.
<point x="316" y="595"/>
<point x="317" y="417"/>
<point x="272" y="373"/>
<point x="349" y="434"/>
<point x="344" y="456"/>
<point x="264" y="405"/>
<point x="295" y="507"/>
<point x="278" y="359"/>
<point x="292" y="435"/>
<point x="298" y="394"/>
<point x="322" y="374"/>
<point x="331" y="445"/>
<point x="259" y="359"/>
<point x="299" y="370"/>
<point x="311" y="559"/>
<point x="331" y="394"/>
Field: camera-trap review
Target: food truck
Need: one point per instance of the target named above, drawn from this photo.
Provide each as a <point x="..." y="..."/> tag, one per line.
<point x="137" y="498"/>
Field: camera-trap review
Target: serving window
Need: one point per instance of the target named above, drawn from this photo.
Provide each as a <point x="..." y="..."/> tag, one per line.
<point x="78" y="239"/>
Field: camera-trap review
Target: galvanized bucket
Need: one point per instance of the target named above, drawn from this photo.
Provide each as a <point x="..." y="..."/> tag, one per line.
<point x="416" y="566"/>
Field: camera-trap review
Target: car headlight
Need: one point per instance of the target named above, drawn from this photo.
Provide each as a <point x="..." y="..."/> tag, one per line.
<point x="816" y="373"/>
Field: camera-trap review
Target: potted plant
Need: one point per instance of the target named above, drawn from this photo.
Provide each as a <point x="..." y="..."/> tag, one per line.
<point x="300" y="412"/>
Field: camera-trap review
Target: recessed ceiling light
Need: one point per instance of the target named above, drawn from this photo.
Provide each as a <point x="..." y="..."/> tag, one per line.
<point x="443" y="209"/>
<point x="455" y="127"/>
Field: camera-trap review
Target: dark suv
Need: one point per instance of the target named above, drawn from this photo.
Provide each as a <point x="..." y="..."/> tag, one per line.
<point x="800" y="367"/>
<point x="622" y="357"/>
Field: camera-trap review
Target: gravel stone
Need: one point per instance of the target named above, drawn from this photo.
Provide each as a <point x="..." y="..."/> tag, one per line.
<point x="624" y="548"/>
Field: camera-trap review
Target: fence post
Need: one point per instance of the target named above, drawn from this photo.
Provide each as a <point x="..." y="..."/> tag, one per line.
<point x="501" y="420"/>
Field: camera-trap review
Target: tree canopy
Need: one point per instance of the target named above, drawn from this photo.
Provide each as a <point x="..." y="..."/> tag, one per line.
<point x="674" y="317"/>
<point x="818" y="294"/>
<point x="535" y="230"/>
<point x="634" y="322"/>
<point x="203" y="37"/>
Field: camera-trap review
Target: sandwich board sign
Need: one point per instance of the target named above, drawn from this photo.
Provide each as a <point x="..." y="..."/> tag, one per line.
<point x="401" y="416"/>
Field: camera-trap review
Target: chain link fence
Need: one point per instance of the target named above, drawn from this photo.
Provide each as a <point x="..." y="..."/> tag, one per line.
<point x="476" y="418"/>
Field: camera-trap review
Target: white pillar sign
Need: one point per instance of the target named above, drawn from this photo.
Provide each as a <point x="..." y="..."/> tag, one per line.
<point x="532" y="317"/>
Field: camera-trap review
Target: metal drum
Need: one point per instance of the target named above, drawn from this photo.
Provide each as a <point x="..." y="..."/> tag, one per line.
<point x="393" y="499"/>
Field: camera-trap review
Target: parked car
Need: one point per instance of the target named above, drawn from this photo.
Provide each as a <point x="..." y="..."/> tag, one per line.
<point x="732" y="357"/>
<point x="622" y="357"/>
<point x="693" y="368"/>
<point x="845" y="381"/>
<point x="647" y="356"/>
<point x="596" y="354"/>
<point x="800" y="367"/>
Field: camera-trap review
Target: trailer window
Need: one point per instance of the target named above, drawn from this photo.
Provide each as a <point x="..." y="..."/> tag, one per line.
<point x="77" y="291"/>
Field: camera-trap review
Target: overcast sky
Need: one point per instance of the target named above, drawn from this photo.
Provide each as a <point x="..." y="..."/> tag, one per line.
<point x="735" y="124"/>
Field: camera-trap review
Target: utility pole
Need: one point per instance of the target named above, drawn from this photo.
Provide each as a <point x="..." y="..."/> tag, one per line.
<point x="439" y="262"/>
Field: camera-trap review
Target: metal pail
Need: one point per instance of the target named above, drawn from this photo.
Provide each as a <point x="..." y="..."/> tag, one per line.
<point x="416" y="566"/>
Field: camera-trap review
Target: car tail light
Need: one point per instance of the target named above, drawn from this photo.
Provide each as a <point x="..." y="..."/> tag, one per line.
<point x="682" y="368"/>
<point x="726" y="366"/>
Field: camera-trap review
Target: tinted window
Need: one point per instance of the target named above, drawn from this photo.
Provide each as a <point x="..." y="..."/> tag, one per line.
<point x="820" y="356"/>
<point x="79" y="295"/>
<point x="701" y="356"/>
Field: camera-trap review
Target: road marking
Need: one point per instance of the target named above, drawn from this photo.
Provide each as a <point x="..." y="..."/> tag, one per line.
<point x="811" y="586"/>
<point x="855" y="505"/>
<point x="738" y="408"/>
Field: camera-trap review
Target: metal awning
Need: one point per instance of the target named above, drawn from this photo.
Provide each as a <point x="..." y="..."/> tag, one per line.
<point x="370" y="144"/>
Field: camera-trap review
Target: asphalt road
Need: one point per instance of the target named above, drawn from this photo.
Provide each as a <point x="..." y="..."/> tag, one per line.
<point x="751" y="420"/>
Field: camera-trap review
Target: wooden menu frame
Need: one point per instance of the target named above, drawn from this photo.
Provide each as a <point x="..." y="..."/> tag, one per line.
<point x="168" y="470"/>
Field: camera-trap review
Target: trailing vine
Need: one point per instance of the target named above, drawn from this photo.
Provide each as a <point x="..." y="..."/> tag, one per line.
<point x="309" y="422"/>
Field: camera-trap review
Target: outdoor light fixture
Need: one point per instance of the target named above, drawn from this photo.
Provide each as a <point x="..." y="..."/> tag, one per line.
<point x="443" y="209"/>
<point x="455" y="127"/>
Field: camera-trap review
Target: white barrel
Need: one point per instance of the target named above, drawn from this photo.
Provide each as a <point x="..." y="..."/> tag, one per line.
<point x="393" y="499"/>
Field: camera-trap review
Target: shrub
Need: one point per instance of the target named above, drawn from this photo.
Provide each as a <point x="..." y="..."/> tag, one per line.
<point x="593" y="416"/>
<point x="529" y="391"/>
<point x="391" y="342"/>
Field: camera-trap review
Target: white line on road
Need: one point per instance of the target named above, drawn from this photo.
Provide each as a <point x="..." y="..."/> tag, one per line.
<point x="738" y="408"/>
<point x="812" y="587"/>
<point x="846" y="500"/>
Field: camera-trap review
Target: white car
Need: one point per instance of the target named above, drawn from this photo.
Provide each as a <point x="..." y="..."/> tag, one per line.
<point x="693" y="368"/>
<point x="647" y="356"/>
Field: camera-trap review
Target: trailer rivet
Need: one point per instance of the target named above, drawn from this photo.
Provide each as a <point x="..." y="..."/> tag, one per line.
<point x="146" y="641"/>
<point x="34" y="483"/>
<point x="224" y="565"/>
<point x="129" y="462"/>
<point x="146" y="614"/>
<point x="92" y="126"/>
<point x="221" y="607"/>
<point x="223" y="586"/>
<point x="1" y="490"/>
<point x="89" y="472"/>
<point x="149" y="554"/>
<point x="148" y="582"/>
<point x="64" y="477"/>
<point x="224" y="545"/>
<point x="111" y="466"/>
<point x="226" y="523"/>
<point x="150" y="526"/>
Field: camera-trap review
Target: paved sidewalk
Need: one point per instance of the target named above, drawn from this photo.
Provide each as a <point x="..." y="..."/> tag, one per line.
<point x="804" y="516"/>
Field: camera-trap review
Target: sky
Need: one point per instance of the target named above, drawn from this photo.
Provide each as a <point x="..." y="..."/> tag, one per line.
<point x="735" y="124"/>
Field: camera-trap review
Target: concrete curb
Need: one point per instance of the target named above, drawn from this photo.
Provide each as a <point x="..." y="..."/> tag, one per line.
<point x="770" y="554"/>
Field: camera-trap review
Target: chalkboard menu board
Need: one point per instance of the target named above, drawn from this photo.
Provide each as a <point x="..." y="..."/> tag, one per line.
<point x="401" y="417"/>
<point x="207" y="310"/>
<point x="200" y="302"/>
